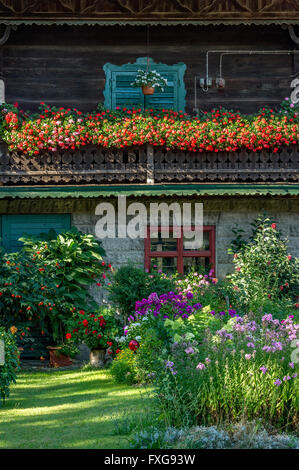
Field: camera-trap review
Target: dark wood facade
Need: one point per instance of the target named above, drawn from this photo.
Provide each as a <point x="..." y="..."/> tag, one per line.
<point x="57" y="49"/>
<point x="63" y="65"/>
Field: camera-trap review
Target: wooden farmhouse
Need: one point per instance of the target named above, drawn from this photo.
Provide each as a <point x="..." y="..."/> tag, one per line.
<point x="234" y="55"/>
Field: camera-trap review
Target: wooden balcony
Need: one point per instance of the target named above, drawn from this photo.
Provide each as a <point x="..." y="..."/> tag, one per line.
<point x="147" y="165"/>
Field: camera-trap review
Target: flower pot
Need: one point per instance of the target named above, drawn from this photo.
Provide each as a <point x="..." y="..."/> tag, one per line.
<point x="57" y="359"/>
<point x="147" y="90"/>
<point x="97" y="357"/>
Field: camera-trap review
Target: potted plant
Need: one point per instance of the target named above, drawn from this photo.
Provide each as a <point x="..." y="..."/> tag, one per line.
<point x="97" y="330"/>
<point x="61" y="356"/>
<point x="148" y="80"/>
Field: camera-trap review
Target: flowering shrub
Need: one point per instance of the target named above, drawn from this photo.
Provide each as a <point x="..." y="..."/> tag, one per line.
<point x="206" y="288"/>
<point x="264" y="269"/>
<point x="46" y="282"/>
<point x="9" y="369"/>
<point x="220" y="130"/>
<point x="245" y="370"/>
<point x="130" y="283"/>
<point x="97" y="330"/>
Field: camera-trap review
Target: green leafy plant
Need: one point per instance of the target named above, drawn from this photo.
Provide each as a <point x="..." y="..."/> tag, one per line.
<point x="264" y="269"/>
<point x="8" y="371"/>
<point x="130" y="283"/>
<point x="123" y="368"/>
<point x="47" y="281"/>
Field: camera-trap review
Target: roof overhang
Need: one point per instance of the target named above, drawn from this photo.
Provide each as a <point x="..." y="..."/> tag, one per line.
<point x="153" y="12"/>
<point x="177" y="190"/>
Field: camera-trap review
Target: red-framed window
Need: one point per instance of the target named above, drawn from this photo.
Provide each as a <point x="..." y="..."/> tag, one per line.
<point x="170" y="254"/>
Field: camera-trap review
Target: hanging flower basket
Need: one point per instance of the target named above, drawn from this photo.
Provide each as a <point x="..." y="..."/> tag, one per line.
<point x="148" y="80"/>
<point x="148" y="90"/>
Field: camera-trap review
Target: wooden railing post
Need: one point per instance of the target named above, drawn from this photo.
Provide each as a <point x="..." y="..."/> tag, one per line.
<point x="150" y="168"/>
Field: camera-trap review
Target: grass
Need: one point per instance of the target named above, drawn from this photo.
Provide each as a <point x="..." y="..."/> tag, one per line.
<point x="70" y="409"/>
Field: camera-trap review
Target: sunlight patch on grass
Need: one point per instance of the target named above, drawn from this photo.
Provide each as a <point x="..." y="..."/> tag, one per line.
<point x="73" y="409"/>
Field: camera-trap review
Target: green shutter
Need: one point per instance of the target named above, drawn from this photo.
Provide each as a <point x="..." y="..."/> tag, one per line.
<point x="168" y="98"/>
<point x="122" y="92"/>
<point x="119" y="91"/>
<point x="15" y="226"/>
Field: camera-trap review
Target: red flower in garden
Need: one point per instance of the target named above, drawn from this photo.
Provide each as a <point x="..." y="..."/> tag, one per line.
<point x="133" y="345"/>
<point x="82" y="312"/>
<point x="68" y="336"/>
<point x="289" y="257"/>
<point x="85" y="322"/>
<point x="273" y="226"/>
<point x="117" y="351"/>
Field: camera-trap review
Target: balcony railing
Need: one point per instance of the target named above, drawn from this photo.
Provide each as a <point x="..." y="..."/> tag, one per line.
<point x="147" y="165"/>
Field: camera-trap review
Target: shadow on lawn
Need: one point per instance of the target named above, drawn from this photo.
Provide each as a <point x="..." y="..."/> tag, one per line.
<point x="89" y="411"/>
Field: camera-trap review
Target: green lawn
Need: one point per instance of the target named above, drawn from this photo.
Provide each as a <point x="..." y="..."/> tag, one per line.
<point x="73" y="409"/>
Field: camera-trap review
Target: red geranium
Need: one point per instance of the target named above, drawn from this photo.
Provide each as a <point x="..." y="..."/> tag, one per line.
<point x="133" y="345"/>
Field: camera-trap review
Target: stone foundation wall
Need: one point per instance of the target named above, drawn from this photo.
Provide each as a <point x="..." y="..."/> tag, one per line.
<point x="223" y="212"/>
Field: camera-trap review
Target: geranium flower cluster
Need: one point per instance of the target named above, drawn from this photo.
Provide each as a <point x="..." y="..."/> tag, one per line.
<point x="56" y="129"/>
<point x="94" y="329"/>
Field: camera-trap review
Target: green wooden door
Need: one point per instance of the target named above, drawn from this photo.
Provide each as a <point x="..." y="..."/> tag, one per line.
<point x="15" y="226"/>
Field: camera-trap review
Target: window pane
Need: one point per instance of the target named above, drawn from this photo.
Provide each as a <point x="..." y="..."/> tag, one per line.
<point x="160" y="243"/>
<point x="205" y="245"/>
<point x="200" y="263"/>
<point x="166" y="265"/>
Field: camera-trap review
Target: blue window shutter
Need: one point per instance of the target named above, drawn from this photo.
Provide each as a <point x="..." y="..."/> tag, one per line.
<point x="119" y="91"/>
<point x="15" y="226"/>
<point x="168" y="98"/>
<point x="123" y="94"/>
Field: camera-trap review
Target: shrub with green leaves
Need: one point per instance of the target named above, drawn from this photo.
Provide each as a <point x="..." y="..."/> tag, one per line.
<point x="264" y="269"/>
<point x="10" y="367"/>
<point x="130" y="284"/>
<point x="47" y="281"/>
<point x="123" y="368"/>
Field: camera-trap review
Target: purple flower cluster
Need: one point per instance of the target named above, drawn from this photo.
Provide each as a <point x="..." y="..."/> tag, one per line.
<point x="224" y="334"/>
<point x="170" y="365"/>
<point x="231" y="312"/>
<point x="168" y="305"/>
